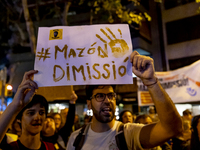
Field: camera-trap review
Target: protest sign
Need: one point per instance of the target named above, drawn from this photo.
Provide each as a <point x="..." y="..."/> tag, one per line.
<point x="80" y="55"/>
<point x="182" y="85"/>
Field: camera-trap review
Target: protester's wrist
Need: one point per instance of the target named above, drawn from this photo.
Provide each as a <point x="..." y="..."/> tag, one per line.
<point x="15" y="106"/>
<point x="150" y="82"/>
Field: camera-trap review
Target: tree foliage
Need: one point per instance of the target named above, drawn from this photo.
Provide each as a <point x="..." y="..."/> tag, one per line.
<point x="20" y="16"/>
<point x="115" y="8"/>
<point x="198" y="10"/>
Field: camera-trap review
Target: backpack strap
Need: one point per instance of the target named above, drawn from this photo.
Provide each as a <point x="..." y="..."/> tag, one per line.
<point x="120" y="138"/>
<point x="80" y="138"/>
<point x="48" y="146"/>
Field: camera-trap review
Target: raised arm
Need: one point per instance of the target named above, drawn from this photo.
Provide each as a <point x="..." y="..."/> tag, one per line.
<point x="67" y="128"/>
<point x="22" y="97"/>
<point x="170" y="123"/>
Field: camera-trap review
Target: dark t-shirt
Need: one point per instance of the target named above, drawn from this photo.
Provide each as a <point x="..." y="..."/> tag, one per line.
<point x="20" y="146"/>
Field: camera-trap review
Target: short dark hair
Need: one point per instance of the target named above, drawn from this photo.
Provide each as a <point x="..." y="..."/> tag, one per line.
<point x="90" y="88"/>
<point x="186" y="112"/>
<point x="137" y="120"/>
<point x="122" y="113"/>
<point x="37" y="99"/>
<point x="49" y="115"/>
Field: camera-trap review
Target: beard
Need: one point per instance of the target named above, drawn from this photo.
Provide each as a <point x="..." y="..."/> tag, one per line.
<point x="103" y="118"/>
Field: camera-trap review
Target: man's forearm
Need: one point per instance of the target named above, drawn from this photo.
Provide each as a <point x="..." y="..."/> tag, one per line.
<point x="167" y="112"/>
<point x="67" y="128"/>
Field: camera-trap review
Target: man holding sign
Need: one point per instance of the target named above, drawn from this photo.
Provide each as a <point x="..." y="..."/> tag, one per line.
<point x="101" y="133"/>
<point x="103" y="57"/>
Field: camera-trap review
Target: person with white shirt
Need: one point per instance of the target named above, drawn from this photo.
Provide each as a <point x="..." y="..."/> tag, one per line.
<point x="100" y="133"/>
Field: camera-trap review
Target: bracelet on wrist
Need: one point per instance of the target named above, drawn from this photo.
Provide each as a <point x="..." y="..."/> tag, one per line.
<point x="152" y="83"/>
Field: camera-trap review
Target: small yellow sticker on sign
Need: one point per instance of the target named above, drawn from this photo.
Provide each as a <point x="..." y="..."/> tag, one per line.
<point x="56" y="34"/>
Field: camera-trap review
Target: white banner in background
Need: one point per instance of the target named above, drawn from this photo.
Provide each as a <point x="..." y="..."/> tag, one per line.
<point x="182" y="85"/>
<point x="78" y="55"/>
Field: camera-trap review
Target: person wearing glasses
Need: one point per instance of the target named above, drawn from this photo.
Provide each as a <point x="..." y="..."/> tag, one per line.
<point x="100" y="133"/>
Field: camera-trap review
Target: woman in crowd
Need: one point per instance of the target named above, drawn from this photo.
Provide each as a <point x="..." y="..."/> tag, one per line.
<point x="126" y="116"/>
<point x="58" y="121"/>
<point x="52" y="132"/>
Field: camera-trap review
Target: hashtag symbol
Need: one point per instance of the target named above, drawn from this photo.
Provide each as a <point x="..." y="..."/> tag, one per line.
<point x="43" y="55"/>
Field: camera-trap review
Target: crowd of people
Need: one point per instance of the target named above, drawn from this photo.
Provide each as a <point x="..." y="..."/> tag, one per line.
<point x="27" y="118"/>
<point x="179" y="142"/>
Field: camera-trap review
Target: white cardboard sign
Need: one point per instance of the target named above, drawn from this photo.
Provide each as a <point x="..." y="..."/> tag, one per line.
<point x="80" y="55"/>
